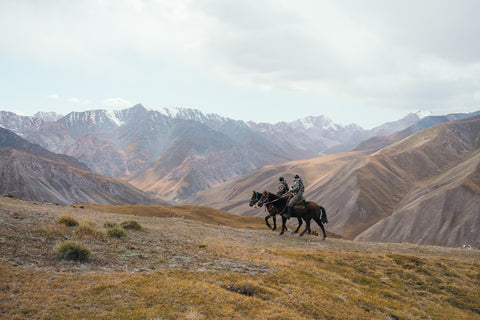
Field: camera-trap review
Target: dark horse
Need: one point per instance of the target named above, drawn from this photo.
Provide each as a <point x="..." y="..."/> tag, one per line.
<point x="309" y="211"/>
<point x="272" y="211"/>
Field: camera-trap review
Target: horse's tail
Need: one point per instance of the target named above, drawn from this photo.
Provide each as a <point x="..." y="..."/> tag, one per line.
<point x="323" y="218"/>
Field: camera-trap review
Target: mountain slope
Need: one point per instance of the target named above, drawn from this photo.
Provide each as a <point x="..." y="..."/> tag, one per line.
<point x="8" y="139"/>
<point x="431" y="176"/>
<point x="30" y="172"/>
<point x="381" y="140"/>
<point x="173" y="153"/>
<point x="395" y="172"/>
<point x="444" y="212"/>
<point x="234" y="195"/>
<point x="177" y="152"/>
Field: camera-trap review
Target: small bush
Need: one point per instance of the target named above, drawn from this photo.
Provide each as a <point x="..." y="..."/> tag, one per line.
<point x="87" y="229"/>
<point x="68" y="221"/>
<point x="116" y="232"/>
<point x="71" y="250"/>
<point x="131" y="224"/>
<point x="110" y="224"/>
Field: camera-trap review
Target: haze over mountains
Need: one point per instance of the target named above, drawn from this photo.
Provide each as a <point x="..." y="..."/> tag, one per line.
<point x="391" y="186"/>
<point x="30" y="172"/>
<point x="422" y="189"/>
<point x="175" y="153"/>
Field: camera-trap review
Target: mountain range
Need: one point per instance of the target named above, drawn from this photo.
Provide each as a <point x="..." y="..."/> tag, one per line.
<point x="174" y="153"/>
<point x="424" y="188"/>
<point x="384" y="184"/>
<point x="30" y="172"/>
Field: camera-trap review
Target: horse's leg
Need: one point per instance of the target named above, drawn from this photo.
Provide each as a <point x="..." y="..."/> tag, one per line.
<point x="268" y="224"/>
<point x="274" y="223"/>
<point x="307" y="228"/>
<point x="284" y="225"/>
<point x="299" y="224"/>
<point x="319" y="222"/>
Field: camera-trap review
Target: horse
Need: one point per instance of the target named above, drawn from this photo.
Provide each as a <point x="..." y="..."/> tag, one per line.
<point x="272" y="211"/>
<point x="309" y="211"/>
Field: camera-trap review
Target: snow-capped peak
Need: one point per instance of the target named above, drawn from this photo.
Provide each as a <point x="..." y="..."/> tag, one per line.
<point x="48" y="116"/>
<point x="112" y="116"/>
<point x="423" y="113"/>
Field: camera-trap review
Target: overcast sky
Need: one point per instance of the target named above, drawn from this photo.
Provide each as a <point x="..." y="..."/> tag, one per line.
<point x="364" y="62"/>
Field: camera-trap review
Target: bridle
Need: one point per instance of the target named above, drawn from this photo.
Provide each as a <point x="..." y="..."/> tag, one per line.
<point x="253" y="202"/>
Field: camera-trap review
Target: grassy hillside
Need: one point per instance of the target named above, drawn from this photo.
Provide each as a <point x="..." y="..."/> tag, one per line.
<point x="180" y="268"/>
<point x="197" y="213"/>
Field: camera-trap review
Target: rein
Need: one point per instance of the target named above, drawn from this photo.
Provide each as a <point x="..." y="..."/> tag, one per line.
<point x="270" y="202"/>
<point x="266" y="203"/>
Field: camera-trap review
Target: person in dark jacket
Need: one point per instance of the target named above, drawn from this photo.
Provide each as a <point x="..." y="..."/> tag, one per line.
<point x="282" y="187"/>
<point x="297" y="191"/>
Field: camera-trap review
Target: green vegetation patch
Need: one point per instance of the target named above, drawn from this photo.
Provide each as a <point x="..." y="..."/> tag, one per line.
<point x="116" y="232"/>
<point x="68" y="221"/>
<point x="131" y="224"/>
<point x="71" y="250"/>
<point x="110" y="224"/>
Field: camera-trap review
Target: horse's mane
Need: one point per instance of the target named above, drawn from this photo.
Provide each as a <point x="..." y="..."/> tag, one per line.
<point x="271" y="194"/>
<point x="272" y="197"/>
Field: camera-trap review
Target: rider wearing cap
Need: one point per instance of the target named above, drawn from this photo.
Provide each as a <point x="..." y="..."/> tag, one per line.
<point x="282" y="187"/>
<point x="297" y="191"/>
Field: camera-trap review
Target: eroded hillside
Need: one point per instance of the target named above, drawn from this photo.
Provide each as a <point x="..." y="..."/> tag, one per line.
<point x="424" y="187"/>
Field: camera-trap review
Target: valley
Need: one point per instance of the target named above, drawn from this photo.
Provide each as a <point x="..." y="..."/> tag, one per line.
<point x="414" y="180"/>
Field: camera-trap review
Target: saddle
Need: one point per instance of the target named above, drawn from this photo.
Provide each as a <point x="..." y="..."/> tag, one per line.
<point x="300" y="204"/>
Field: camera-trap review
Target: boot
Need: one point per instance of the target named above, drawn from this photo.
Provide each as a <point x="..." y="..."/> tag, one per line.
<point x="288" y="214"/>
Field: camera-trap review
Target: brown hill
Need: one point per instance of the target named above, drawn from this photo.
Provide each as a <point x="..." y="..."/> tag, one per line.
<point x="34" y="178"/>
<point x="429" y="178"/>
<point x="234" y="195"/>
<point x="9" y="139"/>
<point x="31" y="172"/>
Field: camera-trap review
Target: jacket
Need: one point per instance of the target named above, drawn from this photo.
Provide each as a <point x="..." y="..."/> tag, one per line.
<point x="298" y="186"/>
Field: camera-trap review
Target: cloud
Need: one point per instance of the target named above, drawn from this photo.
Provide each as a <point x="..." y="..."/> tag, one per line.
<point x="53" y="97"/>
<point x="116" y="103"/>
<point x="381" y="53"/>
<point x="73" y="100"/>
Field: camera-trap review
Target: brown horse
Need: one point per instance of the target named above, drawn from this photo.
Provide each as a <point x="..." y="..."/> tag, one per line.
<point x="309" y="211"/>
<point x="272" y="211"/>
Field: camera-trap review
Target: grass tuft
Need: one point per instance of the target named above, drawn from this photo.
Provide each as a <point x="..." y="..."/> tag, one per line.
<point x="68" y="221"/>
<point x="87" y="229"/>
<point x="116" y="232"/>
<point x="110" y="224"/>
<point x="71" y="250"/>
<point x="131" y="224"/>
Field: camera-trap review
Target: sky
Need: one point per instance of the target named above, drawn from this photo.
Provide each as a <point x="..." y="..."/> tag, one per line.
<point x="365" y="62"/>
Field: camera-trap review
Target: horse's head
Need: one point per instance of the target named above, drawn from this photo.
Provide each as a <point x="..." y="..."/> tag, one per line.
<point x="255" y="198"/>
<point x="263" y="198"/>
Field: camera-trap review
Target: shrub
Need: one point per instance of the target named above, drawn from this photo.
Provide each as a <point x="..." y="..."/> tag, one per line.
<point x="68" y="221"/>
<point x="110" y="224"/>
<point x="116" y="232"/>
<point x="87" y="229"/>
<point x="131" y="224"/>
<point x="71" y="250"/>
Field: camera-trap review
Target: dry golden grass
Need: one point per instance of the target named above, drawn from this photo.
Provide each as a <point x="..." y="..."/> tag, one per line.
<point x="196" y="213"/>
<point x="176" y="268"/>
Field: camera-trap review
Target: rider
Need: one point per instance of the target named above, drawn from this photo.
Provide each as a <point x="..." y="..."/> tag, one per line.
<point x="297" y="191"/>
<point x="282" y="187"/>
